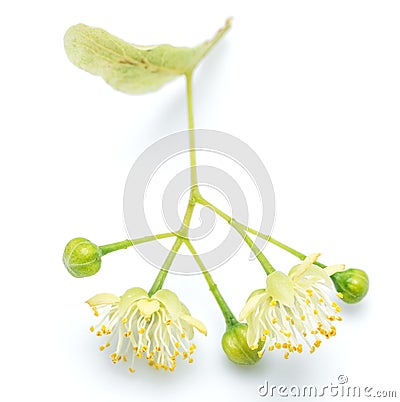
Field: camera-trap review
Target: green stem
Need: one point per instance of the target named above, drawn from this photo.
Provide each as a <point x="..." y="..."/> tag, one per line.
<point x="267" y="266"/>
<point x="184" y="229"/>
<point x="269" y="238"/>
<point x="283" y="246"/>
<point x="159" y="281"/>
<point x="183" y="232"/>
<point x="193" y="170"/>
<point x="230" y="319"/>
<point x="109" y="248"/>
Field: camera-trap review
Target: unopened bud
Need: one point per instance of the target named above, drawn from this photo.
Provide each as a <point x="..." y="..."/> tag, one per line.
<point x="352" y="284"/>
<point x="82" y="257"/>
<point x="235" y="346"/>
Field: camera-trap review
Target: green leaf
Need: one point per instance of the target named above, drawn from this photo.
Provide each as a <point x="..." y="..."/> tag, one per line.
<point x="130" y="68"/>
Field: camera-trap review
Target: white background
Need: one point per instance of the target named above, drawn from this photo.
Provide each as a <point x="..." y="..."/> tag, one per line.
<point x="313" y="86"/>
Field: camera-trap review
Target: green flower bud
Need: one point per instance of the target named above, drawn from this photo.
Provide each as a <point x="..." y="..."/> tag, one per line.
<point x="235" y="346"/>
<point x="82" y="257"/>
<point x="352" y="284"/>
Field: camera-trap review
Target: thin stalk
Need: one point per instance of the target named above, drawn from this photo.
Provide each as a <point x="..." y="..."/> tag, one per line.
<point x="283" y="246"/>
<point x="109" y="248"/>
<point x="230" y="319"/>
<point x="183" y="232"/>
<point x="269" y="238"/>
<point x="159" y="281"/>
<point x="267" y="266"/>
<point x="193" y="170"/>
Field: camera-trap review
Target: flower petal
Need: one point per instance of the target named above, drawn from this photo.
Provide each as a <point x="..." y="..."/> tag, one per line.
<point x="130" y="297"/>
<point x="252" y="303"/>
<point x="332" y="269"/>
<point x="314" y="274"/>
<point x="281" y="288"/>
<point x="256" y="292"/>
<point x="188" y="329"/>
<point x="134" y="294"/>
<point x="299" y="269"/>
<point x="170" y="301"/>
<point x="252" y="336"/>
<point x="102" y="298"/>
<point x="148" y="307"/>
<point x="194" y="322"/>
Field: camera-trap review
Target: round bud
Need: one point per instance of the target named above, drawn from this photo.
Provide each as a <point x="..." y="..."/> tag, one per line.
<point x="235" y="346"/>
<point x="82" y="257"/>
<point x="352" y="284"/>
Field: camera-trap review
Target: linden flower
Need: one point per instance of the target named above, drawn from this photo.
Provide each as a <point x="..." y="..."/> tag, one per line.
<point x="158" y="328"/>
<point x="293" y="310"/>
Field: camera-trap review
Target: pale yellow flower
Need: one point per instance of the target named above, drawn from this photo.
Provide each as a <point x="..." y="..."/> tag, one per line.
<point x="158" y="328"/>
<point x="293" y="310"/>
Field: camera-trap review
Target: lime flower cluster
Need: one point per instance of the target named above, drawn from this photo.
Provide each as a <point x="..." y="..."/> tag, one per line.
<point x="291" y="313"/>
<point x="158" y="328"/>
